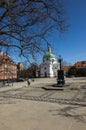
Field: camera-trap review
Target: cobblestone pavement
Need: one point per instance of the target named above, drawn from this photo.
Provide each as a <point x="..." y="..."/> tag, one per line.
<point x="70" y="95"/>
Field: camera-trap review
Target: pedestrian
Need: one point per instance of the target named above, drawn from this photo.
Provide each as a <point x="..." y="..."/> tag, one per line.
<point x="28" y="82"/>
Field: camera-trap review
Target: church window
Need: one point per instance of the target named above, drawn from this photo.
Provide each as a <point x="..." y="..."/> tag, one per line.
<point x="45" y="68"/>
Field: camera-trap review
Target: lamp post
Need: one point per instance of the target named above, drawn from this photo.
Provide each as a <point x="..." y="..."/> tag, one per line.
<point x="60" y="80"/>
<point x="60" y="60"/>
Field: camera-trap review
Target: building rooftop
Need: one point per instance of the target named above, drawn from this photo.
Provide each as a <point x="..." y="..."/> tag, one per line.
<point x="5" y="57"/>
<point x="49" y="54"/>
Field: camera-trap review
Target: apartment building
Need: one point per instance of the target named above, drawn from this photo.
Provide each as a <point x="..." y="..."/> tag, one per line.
<point x="8" y="68"/>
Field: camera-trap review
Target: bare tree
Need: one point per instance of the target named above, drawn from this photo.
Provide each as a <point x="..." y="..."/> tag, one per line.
<point x="25" y="24"/>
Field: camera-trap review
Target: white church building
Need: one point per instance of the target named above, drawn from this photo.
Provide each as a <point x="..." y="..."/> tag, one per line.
<point x="50" y="65"/>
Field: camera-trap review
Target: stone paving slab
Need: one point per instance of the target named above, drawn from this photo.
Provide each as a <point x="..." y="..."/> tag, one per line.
<point x="34" y="93"/>
<point x="63" y="95"/>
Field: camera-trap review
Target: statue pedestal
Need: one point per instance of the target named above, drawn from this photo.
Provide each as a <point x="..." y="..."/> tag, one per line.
<point x="60" y="78"/>
<point x="57" y="87"/>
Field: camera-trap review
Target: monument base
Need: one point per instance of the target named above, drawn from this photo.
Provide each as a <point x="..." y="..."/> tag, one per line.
<point x="53" y="88"/>
<point x="56" y="87"/>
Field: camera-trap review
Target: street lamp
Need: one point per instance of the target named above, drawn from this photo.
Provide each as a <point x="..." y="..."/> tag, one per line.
<point x="60" y="60"/>
<point x="60" y="80"/>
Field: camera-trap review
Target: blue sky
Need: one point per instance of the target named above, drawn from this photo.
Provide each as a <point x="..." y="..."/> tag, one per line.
<point x="72" y="44"/>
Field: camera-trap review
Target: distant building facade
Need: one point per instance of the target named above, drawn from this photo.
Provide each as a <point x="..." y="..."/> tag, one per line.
<point x="80" y="64"/>
<point x="8" y="68"/>
<point x="20" y="66"/>
<point x="49" y="66"/>
<point x="65" y="69"/>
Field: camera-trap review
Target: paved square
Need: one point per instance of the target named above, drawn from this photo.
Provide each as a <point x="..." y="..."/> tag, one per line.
<point x="31" y="107"/>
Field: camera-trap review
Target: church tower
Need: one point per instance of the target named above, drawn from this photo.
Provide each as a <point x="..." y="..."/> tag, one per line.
<point x="49" y="66"/>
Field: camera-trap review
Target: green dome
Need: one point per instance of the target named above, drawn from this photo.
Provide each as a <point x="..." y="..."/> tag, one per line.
<point x="49" y="55"/>
<point x="56" y="63"/>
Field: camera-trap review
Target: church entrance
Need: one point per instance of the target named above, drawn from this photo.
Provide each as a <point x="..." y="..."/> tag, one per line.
<point x="38" y="74"/>
<point x="45" y="74"/>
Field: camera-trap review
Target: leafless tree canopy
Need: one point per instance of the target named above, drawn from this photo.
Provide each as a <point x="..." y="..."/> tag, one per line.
<point x="25" y="24"/>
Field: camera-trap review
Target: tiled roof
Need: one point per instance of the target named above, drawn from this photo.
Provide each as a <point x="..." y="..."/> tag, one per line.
<point x="5" y="57"/>
<point x="66" y="68"/>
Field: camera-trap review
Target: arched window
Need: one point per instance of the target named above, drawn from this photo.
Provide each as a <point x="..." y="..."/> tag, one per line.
<point x="45" y="68"/>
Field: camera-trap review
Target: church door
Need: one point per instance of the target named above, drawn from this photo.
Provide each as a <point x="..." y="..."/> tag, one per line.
<point x="45" y="74"/>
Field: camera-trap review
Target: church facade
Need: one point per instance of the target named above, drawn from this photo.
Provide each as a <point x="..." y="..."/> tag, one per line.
<point x="49" y="65"/>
